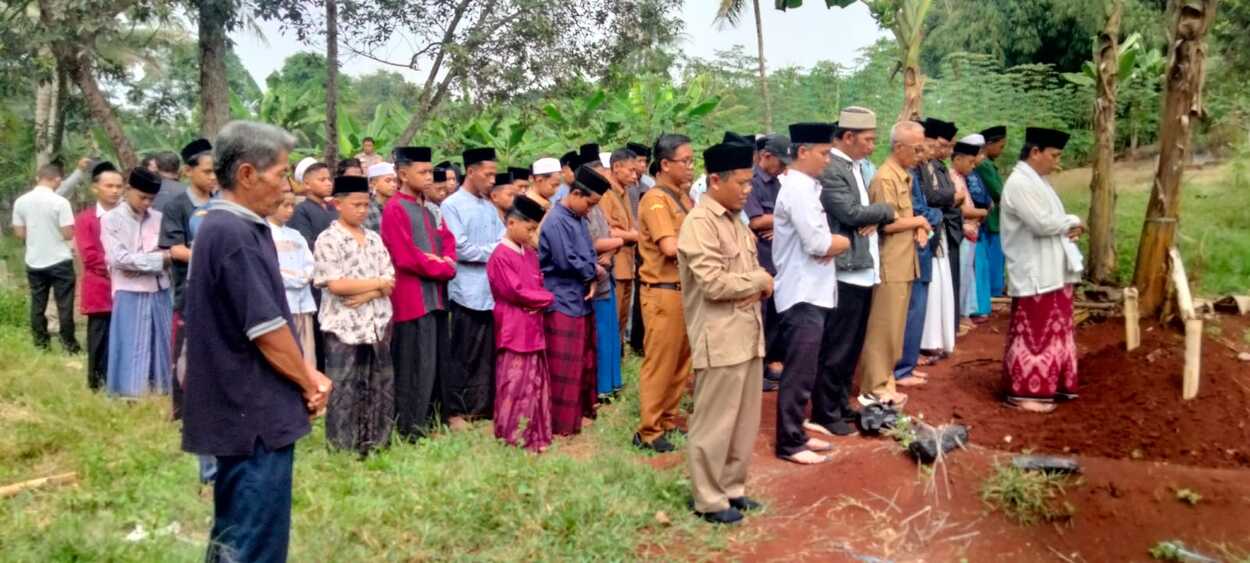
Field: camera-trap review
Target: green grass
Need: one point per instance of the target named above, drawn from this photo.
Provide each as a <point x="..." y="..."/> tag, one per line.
<point x="455" y="496"/>
<point x="1214" y="229"/>
<point x="1026" y="497"/>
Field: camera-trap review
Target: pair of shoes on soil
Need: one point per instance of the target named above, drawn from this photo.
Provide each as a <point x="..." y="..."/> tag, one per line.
<point x="659" y="445"/>
<point x="730" y="515"/>
<point x="840" y="427"/>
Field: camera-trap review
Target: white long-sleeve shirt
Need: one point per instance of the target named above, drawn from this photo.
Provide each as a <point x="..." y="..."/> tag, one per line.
<point x="1040" y="258"/>
<point x="801" y="238"/>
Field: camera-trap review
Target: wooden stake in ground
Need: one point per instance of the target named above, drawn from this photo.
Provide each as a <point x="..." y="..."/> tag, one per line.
<point x="58" y="479"/>
<point x="1132" y="320"/>
<point x="1187" y="51"/>
<point x="1193" y="327"/>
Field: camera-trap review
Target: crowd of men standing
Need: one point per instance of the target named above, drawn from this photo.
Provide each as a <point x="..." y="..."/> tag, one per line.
<point x="396" y="295"/>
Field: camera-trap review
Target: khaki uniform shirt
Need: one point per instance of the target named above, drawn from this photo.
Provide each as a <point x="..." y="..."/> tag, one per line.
<point x="615" y="205"/>
<point x="892" y="185"/>
<point x="719" y="268"/>
<point x="659" y="216"/>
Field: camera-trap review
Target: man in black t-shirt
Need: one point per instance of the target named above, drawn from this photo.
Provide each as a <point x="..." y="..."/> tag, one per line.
<point x="181" y="218"/>
<point x="249" y="391"/>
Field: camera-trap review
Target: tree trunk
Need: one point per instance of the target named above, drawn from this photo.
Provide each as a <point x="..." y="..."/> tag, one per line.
<point x="759" y="40"/>
<point x="913" y="92"/>
<point x="433" y="91"/>
<point x="45" y="112"/>
<point x="214" y="89"/>
<point x="1191" y="19"/>
<point x="332" y="83"/>
<point x="1102" y="260"/>
<point x="98" y="104"/>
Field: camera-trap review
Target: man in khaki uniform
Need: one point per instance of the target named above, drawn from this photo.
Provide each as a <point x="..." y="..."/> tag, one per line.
<point x="666" y="360"/>
<point x="615" y="206"/>
<point x="722" y="285"/>
<point x="887" y="318"/>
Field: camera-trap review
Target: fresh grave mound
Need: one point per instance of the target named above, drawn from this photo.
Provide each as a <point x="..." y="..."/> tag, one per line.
<point x="1129" y="405"/>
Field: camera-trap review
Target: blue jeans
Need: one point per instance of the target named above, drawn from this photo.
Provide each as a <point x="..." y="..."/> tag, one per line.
<point x="252" y="506"/>
<point x="915" y="329"/>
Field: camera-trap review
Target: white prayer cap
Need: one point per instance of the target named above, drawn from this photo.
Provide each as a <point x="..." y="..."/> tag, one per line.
<point x="606" y="159"/>
<point x="974" y="139"/>
<point x="381" y="169"/>
<point x="546" y="165"/>
<point x="302" y="167"/>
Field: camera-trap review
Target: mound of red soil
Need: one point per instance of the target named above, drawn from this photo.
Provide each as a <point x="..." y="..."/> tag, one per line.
<point x="1129" y="405"/>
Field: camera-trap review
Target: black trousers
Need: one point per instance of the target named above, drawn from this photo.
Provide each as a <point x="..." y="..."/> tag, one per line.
<point x="954" y="238"/>
<point x="470" y="386"/>
<point x="252" y="506"/>
<point x="97" y="349"/>
<point x="57" y="279"/>
<point x="319" y="339"/>
<point x="802" y="329"/>
<point x="774" y="350"/>
<point x="842" y="342"/>
<point x="637" y="330"/>
<point x="419" y="349"/>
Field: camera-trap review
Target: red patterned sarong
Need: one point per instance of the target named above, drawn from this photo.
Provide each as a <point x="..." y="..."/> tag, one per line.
<point x="522" y="400"/>
<point x="571" y="361"/>
<point x="1041" y="346"/>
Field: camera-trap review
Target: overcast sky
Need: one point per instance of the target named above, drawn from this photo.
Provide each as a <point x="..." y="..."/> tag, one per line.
<point x="798" y="37"/>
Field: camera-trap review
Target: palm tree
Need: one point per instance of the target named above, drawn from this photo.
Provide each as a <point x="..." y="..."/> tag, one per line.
<point x="729" y="13"/>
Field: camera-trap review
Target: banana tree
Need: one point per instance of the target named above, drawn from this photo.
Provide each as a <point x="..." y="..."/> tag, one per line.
<point x="905" y="19"/>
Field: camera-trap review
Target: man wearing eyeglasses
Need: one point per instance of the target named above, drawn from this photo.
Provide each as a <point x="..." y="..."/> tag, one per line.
<point x="666" y="363"/>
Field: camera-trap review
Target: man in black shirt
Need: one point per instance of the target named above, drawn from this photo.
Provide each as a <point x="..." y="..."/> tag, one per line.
<point x="181" y="217"/>
<point x="249" y="392"/>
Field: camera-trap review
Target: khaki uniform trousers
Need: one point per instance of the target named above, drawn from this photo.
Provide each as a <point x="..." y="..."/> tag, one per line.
<point x="723" y="427"/>
<point x="666" y="363"/>
<point x="624" y="292"/>
<point x="883" y="343"/>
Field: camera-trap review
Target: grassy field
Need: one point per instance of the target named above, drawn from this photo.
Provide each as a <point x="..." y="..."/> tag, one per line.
<point x="1214" y="227"/>
<point x="455" y="496"/>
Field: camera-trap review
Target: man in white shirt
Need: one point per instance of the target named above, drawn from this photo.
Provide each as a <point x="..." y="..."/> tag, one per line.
<point x="803" y="251"/>
<point x="46" y="222"/>
<point x="844" y="197"/>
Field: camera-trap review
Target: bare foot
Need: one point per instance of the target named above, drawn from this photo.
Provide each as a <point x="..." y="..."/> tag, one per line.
<point x="911" y="381"/>
<point x="816" y="445"/>
<point x="807" y="457"/>
<point x="1031" y="406"/>
<point x="457" y="423"/>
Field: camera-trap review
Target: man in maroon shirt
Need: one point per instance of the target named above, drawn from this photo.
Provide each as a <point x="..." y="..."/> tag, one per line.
<point x="97" y="295"/>
<point x="424" y="254"/>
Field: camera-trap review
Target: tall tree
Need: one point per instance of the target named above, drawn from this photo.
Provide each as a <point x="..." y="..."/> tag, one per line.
<point x="214" y="18"/>
<point x="1187" y="52"/>
<point x="730" y="12"/>
<point x="1102" y="187"/>
<point x="906" y="21"/>
<point x="74" y="31"/>
<point x="332" y="79"/>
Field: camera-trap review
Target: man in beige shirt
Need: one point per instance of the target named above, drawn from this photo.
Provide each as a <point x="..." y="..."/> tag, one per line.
<point x="887" y="318"/>
<point x="722" y="285"/>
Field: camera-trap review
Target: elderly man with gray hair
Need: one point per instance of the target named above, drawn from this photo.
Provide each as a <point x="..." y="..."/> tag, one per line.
<point x="887" y="318"/>
<point x="249" y="393"/>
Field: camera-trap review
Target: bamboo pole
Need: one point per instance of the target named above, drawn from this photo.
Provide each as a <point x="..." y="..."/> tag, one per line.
<point x="1132" y="320"/>
<point x="58" y="479"/>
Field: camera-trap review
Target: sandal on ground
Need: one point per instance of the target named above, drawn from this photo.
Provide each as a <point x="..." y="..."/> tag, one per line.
<point x="1029" y="405"/>
<point x="1063" y="397"/>
<point x="807" y="457"/>
<point x="925" y="361"/>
